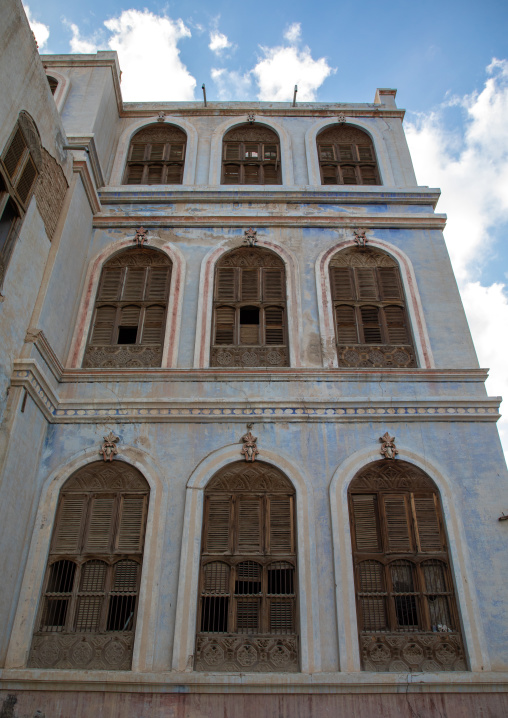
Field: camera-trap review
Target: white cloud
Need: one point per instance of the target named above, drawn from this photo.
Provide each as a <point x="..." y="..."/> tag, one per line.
<point x="218" y="42"/>
<point x="39" y="29"/>
<point x="471" y="167"/>
<point x="232" y="85"/>
<point x="147" y="46"/>
<point x="293" y="33"/>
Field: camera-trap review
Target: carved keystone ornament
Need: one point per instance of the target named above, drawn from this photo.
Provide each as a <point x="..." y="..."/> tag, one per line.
<point x="140" y="237"/>
<point x="388" y="448"/>
<point x="249" y="448"/>
<point x="251" y="236"/>
<point x="109" y="448"/>
<point x="360" y="237"/>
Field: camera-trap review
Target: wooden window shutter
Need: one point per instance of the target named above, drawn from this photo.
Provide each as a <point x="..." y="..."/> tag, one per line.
<point x="138" y="152"/>
<point x="390" y="283"/>
<point x="104" y="324"/>
<point x="282" y="615"/>
<point x="157" y="152"/>
<point x="88" y="611"/>
<point x="155" y="174"/>
<point x="126" y="576"/>
<point x="270" y="175"/>
<point x="373" y="607"/>
<point x="218" y="524"/>
<point x="27" y="180"/>
<point x="347" y="330"/>
<point x="249" y="538"/>
<point x="348" y="174"/>
<point x="251" y="174"/>
<point x="346" y="153"/>
<point x="158" y="283"/>
<point x="111" y="284"/>
<point x="250" y="284"/>
<point x="69" y="523"/>
<point x="231" y="174"/>
<point x="326" y="152"/>
<point x="396" y="325"/>
<point x="224" y="325"/>
<point x="174" y="174"/>
<point x="176" y="152"/>
<point x="216" y="577"/>
<point x="153" y="324"/>
<point x="129" y="315"/>
<point x="371" y="325"/>
<point x="226" y="283"/>
<point x="134" y="284"/>
<point x="368" y="175"/>
<point x="135" y="174"/>
<point x="131" y="527"/>
<point x="366" y="283"/>
<point x="100" y="523"/>
<point x="15" y="153"/>
<point x="427" y="523"/>
<point x="274" y="325"/>
<point x="281" y="524"/>
<point x="329" y="174"/>
<point x="365" y="521"/>
<point x="365" y="153"/>
<point x="232" y="151"/>
<point x="342" y="285"/>
<point x="273" y="284"/>
<point x="398" y="533"/>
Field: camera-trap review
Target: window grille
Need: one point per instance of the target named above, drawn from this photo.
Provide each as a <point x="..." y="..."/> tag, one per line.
<point x="251" y="155"/>
<point x="371" y="322"/>
<point x="248" y="572"/>
<point x="130" y="310"/>
<point x="347" y="156"/>
<point x="156" y="156"/>
<point x="249" y="323"/>
<point x="407" y="615"/>
<point x="88" y="610"/>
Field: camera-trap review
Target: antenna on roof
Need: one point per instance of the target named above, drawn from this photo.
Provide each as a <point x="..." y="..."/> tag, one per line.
<point x="294" y="95"/>
<point x="204" y="93"/>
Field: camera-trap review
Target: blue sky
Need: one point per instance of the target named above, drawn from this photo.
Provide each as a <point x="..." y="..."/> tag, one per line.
<point x="448" y="60"/>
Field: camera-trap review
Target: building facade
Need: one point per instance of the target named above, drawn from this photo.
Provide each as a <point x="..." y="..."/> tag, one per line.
<point x="246" y="446"/>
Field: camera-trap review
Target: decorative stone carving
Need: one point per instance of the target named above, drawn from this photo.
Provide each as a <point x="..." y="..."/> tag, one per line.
<point x="107" y="651"/>
<point x="161" y="117"/>
<point x="399" y="652"/>
<point x="368" y="355"/>
<point x="235" y="356"/>
<point x="257" y="654"/>
<point x="353" y="257"/>
<point x="160" y="133"/>
<point x="139" y="257"/>
<point x="249" y="448"/>
<point x="360" y="237"/>
<point x="96" y="477"/>
<point x="341" y="118"/>
<point x="392" y="475"/>
<point x="245" y="257"/>
<point x="251" y="236"/>
<point x="109" y="449"/>
<point x="388" y="448"/>
<point x="50" y="192"/>
<point x="343" y="133"/>
<point x="122" y="356"/>
<point x="251" y="117"/>
<point x="238" y="477"/>
<point x="140" y="237"/>
<point x="252" y="133"/>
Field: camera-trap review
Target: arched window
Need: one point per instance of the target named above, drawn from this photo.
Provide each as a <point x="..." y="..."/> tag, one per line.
<point x="129" y="316"/>
<point x="347" y="156"/>
<point x="247" y="596"/>
<point x="88" y="609"/>
<point x="407" y="614"/>
<point x="251" y="155"/>
<point x="156" y="155"/>
<point x="371" y="321"/>
<point x="53" y="83"/>
<point x="250" y="324"/>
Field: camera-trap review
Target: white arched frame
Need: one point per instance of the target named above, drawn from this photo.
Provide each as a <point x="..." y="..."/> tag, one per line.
<point x="205" y="302"/>
<point x="413" y="302"/>
<point x="343" y="559"/>
<point x="191" y="151"/>
<point x="174" y="313"/>
<point x="286" y="157"/>
<point x="31" y="587"/>
<point x="186" y="608"/>
<point x="62" y="89"/>
<point x="370" y="127"/>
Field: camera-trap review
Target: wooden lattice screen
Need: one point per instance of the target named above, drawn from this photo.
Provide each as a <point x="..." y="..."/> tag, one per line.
<point x="251" y="155"/>
<point x="371" y="321"/>
<point x="88" y="610"/>
<point x="347" y="156"/>
<point x="249" y="325"/>
<point x="247" y="605"/>
<point x="407" y="614"/>
<point x="156" y="156"/>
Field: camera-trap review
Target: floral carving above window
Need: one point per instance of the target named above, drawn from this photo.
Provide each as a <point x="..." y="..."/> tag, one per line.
<point x="371" y="322"/>
<point x="251" y="155"/>
<point x="347" y="156"/>
<point x="249" y="323"/>
<point x="156" y="156"/>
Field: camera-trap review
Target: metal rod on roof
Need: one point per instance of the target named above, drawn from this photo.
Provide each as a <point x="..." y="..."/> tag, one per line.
<point x="204" y="93"/>
<point x="294" y="96"/>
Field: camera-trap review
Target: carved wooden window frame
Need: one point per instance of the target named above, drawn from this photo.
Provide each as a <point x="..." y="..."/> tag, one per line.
<point x="112" y="312"/>
<point x="251" y="148"/>
<point x="406" y="609"/>
<point x="168" y="144"/>
<point x="372" y="327"/>
<point x="347" y="156"/>
<point x="87" y="613"/>
<point x="249" y="279"/>
<point x="249" y="531"/>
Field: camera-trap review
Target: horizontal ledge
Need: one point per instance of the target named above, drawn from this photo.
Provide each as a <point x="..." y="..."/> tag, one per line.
<point x="268" y="683"/>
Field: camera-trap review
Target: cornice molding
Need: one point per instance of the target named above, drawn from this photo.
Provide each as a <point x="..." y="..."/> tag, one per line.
<point x="89" y="142"/>
<point x="81" y="166"/>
